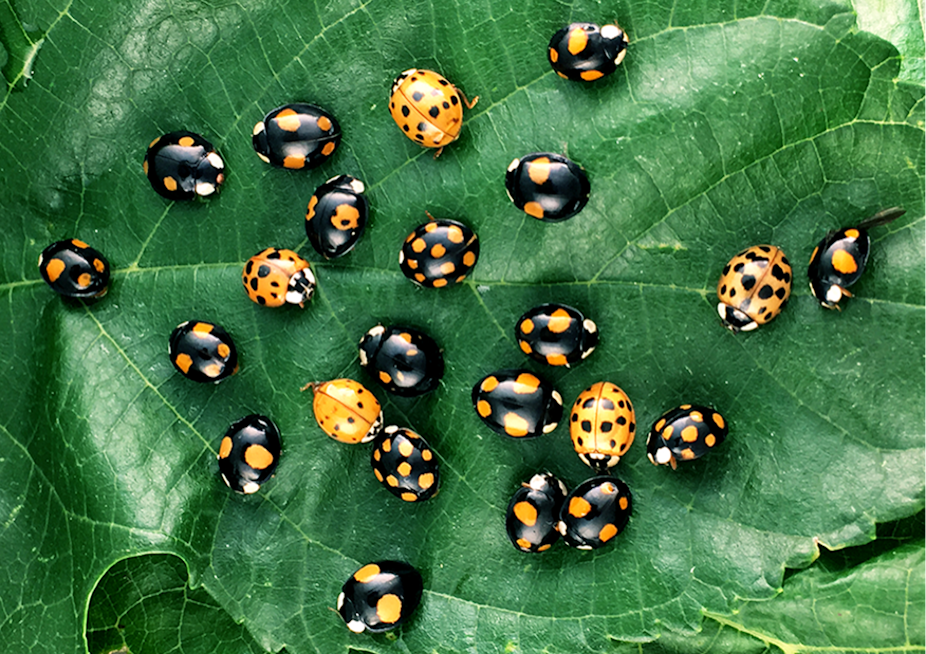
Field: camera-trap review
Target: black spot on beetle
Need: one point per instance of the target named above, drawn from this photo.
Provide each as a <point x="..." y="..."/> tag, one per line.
<point x="454" y="100"/>
<point x="780" y="293"/>
<point x="405" y="110"/>
<point x="606" y="426"/>
<point x="589" y="403"/>
<point x="607" y="404"/>
<point x="263" y="271"/>
<point x="622" y="420"/>
<point x="417" y="96"/>
<point x="422" y="126"/>
<point x="748" y="282"/>
<point x="253" y="283"/>
<point x="586" y="426"/>
<point x="434" y="112"/>
<point x="778" y="272"/>
<point x="765" y="292"/>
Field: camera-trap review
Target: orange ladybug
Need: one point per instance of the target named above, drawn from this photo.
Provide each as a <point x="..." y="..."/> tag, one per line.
<point x="346" y="411"/>
<point x="754" y="287"/>
<point x="428" y="108"/>
<point x="276" y="277"/>
<point x="602" y="425"/>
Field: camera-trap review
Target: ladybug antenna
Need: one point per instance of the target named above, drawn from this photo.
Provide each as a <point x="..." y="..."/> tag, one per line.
<point x="882" y="218"/>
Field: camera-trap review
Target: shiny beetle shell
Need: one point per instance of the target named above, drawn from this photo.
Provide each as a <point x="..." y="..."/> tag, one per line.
<point x="533" y="513"/>
<point x="684" y="433"/>
<point x="74" y="269"/>
<point x="547" y="186"/>
<point x="517" y="403"/>
<point x="380" y="596"/>
<point x="296" y="136"/>
<point x="586" y="52"/>
<point x="602" y="425"/>
<point x="183" y="165"/>
<point x="595" y="512"/>
<point x="439" y="253"/>
<point x="405" y="361"/>
<point x="405" y="464"/>
<point x="427" y="107"/>
<point x="249" y="453"/>
<point x="203" y="351"/>
<point x="754" y="287"/>
<point x="277" y="276"/>
<point x="346" y="410"/>
<point x="839" y="259"/>
<point x="556" y="334"/>
<point x="337" y="216"/>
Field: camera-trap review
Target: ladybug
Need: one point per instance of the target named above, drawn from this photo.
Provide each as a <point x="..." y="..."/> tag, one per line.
<point x="74" y="269"/>
<point x="753" y="288"/>
<point x="296" y="136"/>
<point x="533" y="513"/>
<point x="249" y="453"/>
<point x="586" y="52"/>
<point x="337" y="216"/>
<point x="405" y="464"/>
<point x="274" y="277"/>
<point x="439" y="253"/>
<point x="380" y="596"/>
<point x="428" y="108"/>
<point x="839" y="259"/>
<point x="203" y="351"/>
<point x="405" y="361"/>
<point x="183" y="166"/>
<point x="346" y="411"/>
<point x="685" y="432"/>
<point x="602" y="425"/>
<point x="517" y="403"/>
<point x="556" y="334"/>
<point x="595" y="511"/>
<point x="547" y="186"/>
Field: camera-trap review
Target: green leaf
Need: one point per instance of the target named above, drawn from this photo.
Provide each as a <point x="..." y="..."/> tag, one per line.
<point x="727" y="125"/>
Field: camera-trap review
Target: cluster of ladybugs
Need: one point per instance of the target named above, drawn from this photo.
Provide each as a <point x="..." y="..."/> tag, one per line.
<point x="519" y="404"/>
<point x="752" y="290"/>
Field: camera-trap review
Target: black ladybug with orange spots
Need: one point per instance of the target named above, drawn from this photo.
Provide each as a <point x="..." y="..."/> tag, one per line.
<point x="380" y="596"/>
<point x="183" y="165"/>
<point x="405" y="464"/>
<point x="517" y="403"/>
<point x="203" y="351"/>
<point x="405" y="361"/>
<point x="595" y="512"/>
<point x="585" y="52"/>
<point x="547" y="186"/>
<point x="533" y="513"/>
<point x="249" y="453"/>
<point x="685" y="433"/>
<point x="74" y="269"/>
<point x="556" y="334"/>
<point x="296" y="136"/>
<point x="337" y="216"/>
<point x="439" y="253"/>
<point x="840" y="258"/>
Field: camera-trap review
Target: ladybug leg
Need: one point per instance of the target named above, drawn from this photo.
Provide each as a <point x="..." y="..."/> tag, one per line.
<point x="673" y="463"/>
<point x="308" y="386"/>
<point x="439" y="150"/>
<point x="469" y="104"/>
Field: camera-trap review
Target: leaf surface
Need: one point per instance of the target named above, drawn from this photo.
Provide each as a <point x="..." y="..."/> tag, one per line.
<point x="728" y="125"/>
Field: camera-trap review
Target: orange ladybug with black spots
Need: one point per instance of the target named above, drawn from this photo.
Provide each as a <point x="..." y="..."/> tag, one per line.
<point x="203" y="351"/>
<point x="839" y="259"/>
<point x="296" y="136"/>
<point x="595" y="512"/>
<point x="346" y="410"/>
<point x="74" y="269"/>
<point x="685" y="433"/>
<point x="183" y="166"/>
<point x="754" y="287"/>
<point x="249" y="453"/>
<point x="602" y="425"/>
<point x="439" y="253"/>
<point x="380" y="596"/>
<point x="585" y="52"/>
<point x="275" y="276"/>
<point x="427" y="108"/>
<point x="517" y="403"/>
<point x="547" y="186"/>
<point x="556" y="334"/>
<point x="405" y="464"/>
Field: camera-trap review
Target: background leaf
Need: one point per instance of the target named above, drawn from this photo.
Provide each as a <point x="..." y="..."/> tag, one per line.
<point x="727" y="125"/>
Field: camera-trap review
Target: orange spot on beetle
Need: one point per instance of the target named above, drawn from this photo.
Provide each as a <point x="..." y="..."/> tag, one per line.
<point x="526" y="513"/>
